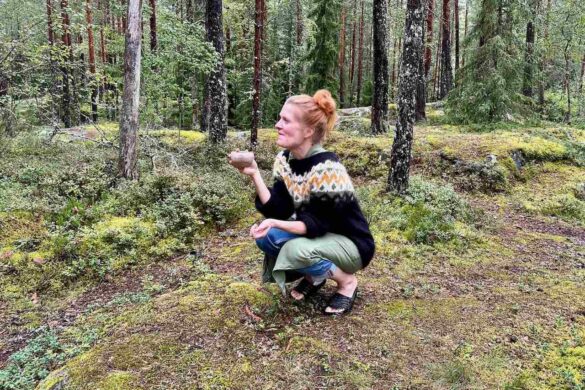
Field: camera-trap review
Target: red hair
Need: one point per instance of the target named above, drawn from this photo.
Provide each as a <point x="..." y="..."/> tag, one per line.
<point x="318" y="112"/>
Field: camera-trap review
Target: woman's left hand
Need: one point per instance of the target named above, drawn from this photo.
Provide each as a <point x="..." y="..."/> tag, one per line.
<point x="260" y="230"/>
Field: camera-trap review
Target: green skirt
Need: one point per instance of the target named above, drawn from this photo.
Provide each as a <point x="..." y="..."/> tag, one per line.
<point x="303" y="252"/>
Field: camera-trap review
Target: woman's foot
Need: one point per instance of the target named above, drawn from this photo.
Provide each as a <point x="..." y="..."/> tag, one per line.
<point x="304" y="289"/>
<point x="346" y="287"/>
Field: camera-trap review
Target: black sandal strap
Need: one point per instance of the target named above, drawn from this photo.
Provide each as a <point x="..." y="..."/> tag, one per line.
<point x="307" y="288"/>
<point x="341" y="302"/>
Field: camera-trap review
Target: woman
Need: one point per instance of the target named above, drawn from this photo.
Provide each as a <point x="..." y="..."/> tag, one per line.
<point x="314" y="226"/>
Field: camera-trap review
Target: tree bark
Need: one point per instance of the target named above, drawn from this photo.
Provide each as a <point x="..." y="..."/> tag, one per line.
<point x="411" y="60"/>
<point x="429" y="37"/>
<point x="446" y="82"/>
<point x="128" y="158"/>
<point x="544" y="60"/>
<point x="465" y="31"/>
<point x="528" y="60"/>
<point x="568" y="82"/>
<point x="216" y="87"/>
<point x="51" y="33"/>
<point x="65" y="67"/>
<point x="353" y="56"/>
<point x="380" y="60"/>
<point x="360" y="57"/>
<point x="421" y="95"/>
<point x="91" y="58"/>
<point x="153" y="32"/>
<point x="581" y="84"/>
<point x="258" y="42"/>
<point x="456" y="17"/>
<point x="299" y="23"/>
<point x="341" y="59"/>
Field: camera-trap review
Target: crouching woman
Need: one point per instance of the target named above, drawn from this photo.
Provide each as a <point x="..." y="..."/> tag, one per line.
<point x="315" y="229"/>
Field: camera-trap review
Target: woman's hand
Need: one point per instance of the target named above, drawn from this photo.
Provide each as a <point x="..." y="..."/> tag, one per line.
<point x="249" y="170"/>
<point x="260" y="230"/>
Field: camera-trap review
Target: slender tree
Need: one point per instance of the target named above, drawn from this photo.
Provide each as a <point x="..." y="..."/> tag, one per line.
<point x="429" y="36"/>
<point x="421" y="95"/>
<point x="446" y="82"/>
<point x="153" y="30"/>
<point x="127" y="162"/>
<point x="258" y="42"/>
<point x="353" y="55"/>
<point x="528" y="59"/>
<point x="456" y="17"/>
<point x="66" y="99"/>
<point x="91" y="59"/>
<point x="341" y="59"/>
<point x="411" y="60"/>
<point x="360" y="69"/>
<point x="216" y="104"/>
<point x="380" y="60"/>
<point x="299" y="22"/>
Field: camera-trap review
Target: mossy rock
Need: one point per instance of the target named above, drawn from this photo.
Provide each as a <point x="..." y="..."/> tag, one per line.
<point x="355" y="125"/>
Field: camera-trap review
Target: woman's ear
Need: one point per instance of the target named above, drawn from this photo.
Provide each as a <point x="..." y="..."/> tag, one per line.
<point x="309" y="132"/>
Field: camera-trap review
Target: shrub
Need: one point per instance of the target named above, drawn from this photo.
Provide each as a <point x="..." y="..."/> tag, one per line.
<point x="426" y="215"/>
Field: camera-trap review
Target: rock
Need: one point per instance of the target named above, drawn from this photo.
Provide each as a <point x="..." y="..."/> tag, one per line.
<point x="361" y="112"/>
<point x="579" y="191"/>
<point x="491" y="159"/>
<point x="518" y="158"/>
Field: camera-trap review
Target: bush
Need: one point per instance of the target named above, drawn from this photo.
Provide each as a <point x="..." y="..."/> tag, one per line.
<point x="426" y="215"/>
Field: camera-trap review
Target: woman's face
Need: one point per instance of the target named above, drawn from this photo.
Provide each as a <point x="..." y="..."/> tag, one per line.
<point x="292" y="132"/>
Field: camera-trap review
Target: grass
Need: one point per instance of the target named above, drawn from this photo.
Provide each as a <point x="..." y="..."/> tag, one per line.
<point x="488" y="297"/>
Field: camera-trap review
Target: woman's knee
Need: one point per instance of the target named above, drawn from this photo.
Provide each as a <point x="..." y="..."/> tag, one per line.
<point x="273" y="240"/>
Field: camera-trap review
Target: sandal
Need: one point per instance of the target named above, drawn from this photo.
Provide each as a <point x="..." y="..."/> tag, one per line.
<point x="342" y="302"/>
<point x="307" y="288"/>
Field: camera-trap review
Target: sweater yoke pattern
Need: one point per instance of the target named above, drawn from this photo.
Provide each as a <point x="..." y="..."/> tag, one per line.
<point x="325" y="179"/>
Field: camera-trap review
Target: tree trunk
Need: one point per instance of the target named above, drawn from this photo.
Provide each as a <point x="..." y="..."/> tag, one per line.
<point x="258" y="41"/>
<point x="341" y="59"/>
<point x="411" y="60"/>
<point x="568" y="83"/>
<point x="51" y="33"/>
<point x="91" y="58"/>
<point x="216" y="86"/>
<point x="544" y="60"/>
<point x="65" y="68"/>
<point x="380" y="76"/>
<point x="446" y="82"/>
<point x="429" y="37"/>
<point x="353" y="56"/>
<point x="581" y="84"/>
<point x="456" y="16"/>
<point x="153" y="33"/>
<point x="437" y="70"/>
<point x="465" y="32"/>
<point x="299" y="23"/>
<point x="421" y="95"/>
<point x="528" y="60"/>
<point x="128" y="158"/>
<point x="360" y="57"/>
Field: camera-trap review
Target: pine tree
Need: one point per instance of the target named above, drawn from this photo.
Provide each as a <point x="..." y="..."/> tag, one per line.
<point x="488" y="85"/>
<point x="380" y="98"/>
<point x="409" y="75"/>
<point x="323" y="53"/>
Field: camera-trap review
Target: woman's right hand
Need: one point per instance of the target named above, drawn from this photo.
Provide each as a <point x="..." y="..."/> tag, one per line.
<point x="250" y="170"/>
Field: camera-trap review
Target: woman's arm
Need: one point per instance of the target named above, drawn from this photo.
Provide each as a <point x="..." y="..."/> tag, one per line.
<point x="296" y="227"/>
<point x="261" y="189"/>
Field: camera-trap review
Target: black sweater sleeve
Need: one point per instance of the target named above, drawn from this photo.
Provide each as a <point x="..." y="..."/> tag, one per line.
<point x="280" y="204"/>
<point x="318" y="216"/>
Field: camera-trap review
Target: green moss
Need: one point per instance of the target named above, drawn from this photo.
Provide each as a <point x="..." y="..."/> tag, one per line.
<point x="119" y="380"/>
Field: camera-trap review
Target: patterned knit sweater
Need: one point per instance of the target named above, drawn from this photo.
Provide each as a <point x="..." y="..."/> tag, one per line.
<point x="319" y="192"/>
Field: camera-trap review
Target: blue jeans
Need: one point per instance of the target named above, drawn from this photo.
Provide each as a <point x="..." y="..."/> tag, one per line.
<point x="275" y="239"/>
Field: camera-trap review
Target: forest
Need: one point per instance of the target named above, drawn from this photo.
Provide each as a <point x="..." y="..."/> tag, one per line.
<point x="126" y="260"/>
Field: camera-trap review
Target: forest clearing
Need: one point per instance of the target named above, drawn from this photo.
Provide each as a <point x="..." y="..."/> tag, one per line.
<point x="129" y="251"/>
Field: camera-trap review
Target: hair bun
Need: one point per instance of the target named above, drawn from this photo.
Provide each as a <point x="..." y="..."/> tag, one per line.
<point x="325" y="102"/>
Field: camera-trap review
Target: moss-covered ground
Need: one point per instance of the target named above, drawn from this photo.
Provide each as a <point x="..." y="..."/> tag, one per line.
<point x="478" y="281"/>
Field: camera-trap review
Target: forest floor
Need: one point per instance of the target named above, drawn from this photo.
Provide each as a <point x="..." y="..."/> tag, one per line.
<point x="491" y="296"/>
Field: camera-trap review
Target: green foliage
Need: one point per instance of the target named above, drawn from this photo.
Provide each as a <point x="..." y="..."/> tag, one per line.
<point x="34" y="362"/>
<point x="428" y="214"/>
<point x="323" y="50"/>
<point x="487" y="87"/>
